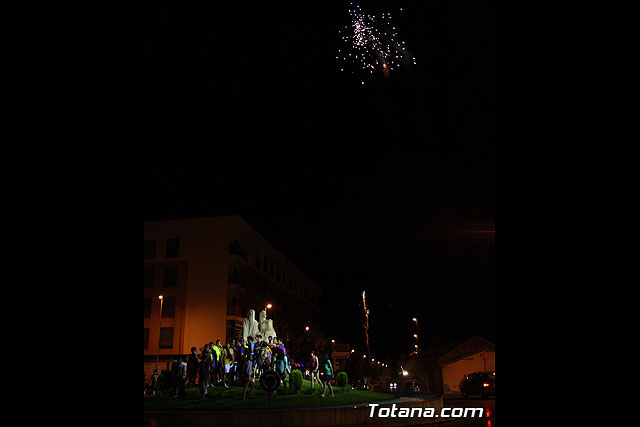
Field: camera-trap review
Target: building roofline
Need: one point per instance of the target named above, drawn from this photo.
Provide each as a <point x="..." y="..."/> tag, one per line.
<point x="241" y="218"/>
<point x="469" y="347"/>
<point x="192" y="218"/>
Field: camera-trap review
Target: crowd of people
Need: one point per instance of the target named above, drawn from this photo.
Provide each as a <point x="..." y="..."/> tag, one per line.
<point x="238" y="363"/>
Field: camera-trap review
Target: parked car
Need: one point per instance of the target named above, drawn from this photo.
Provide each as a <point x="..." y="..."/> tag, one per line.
<point x="481" y="384"/>
<point x="412" y="387"/>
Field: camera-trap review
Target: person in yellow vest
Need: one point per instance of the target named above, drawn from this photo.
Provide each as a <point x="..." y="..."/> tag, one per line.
<point x="217" y="374"/>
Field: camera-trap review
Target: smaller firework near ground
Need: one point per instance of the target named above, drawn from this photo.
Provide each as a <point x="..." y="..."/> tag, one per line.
<point x="372" y="44"/>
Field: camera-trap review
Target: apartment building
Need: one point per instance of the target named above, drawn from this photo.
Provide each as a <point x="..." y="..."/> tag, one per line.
<point x="210" y="272"/>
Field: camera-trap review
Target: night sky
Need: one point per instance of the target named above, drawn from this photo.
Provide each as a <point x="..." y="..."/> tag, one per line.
<point x="386" y="187"/>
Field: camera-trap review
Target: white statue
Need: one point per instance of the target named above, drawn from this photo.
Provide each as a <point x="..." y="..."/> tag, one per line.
<point x="249" y="326"/>
<point x="266" y="326"/>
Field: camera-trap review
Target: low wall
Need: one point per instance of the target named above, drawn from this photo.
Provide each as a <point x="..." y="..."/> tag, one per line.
<point x="338" y="416"/>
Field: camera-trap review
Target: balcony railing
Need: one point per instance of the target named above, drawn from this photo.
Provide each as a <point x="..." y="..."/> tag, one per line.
<point x="235" y="249"/>
<point x="237" y="280"/>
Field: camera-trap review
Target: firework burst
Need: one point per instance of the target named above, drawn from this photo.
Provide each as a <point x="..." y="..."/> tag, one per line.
<point x="372" y="44"/>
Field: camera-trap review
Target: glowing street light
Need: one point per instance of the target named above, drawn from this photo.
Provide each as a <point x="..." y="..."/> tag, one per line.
<point x="415" y="319"/>
<point x="307" y="329"/>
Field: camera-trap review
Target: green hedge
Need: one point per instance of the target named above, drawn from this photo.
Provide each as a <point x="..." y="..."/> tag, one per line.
<point x="342" y="379"/>
<point x="295" y="380"/>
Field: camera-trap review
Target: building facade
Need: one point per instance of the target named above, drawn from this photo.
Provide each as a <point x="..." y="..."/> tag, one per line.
<point x="210" y="272"/>
<point x="474" y="355"/>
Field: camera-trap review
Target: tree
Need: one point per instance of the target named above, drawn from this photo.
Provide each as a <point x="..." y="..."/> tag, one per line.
<point x="299" y="342"/>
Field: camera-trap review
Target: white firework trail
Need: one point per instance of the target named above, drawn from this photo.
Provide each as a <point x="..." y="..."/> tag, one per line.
<point x="372" y="44"/>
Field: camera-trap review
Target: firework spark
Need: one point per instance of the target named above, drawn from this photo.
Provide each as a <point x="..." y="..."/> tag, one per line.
<point x="373" y="44"/>
<point x="366" y="313"/>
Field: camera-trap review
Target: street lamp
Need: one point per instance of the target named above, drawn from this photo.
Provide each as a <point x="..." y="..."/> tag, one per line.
<point x="307" y="329"/>
<point x="415" y="319"/>
<point x="161" y="298"/>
